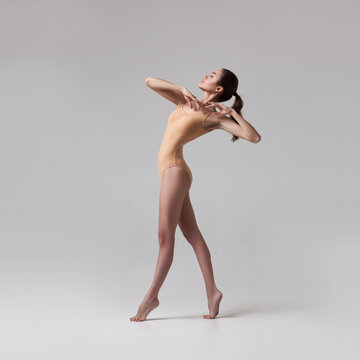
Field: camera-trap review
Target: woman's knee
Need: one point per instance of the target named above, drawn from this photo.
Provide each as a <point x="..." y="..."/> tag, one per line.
<point x="192" y="235"/>
<point x="166" y="237"/>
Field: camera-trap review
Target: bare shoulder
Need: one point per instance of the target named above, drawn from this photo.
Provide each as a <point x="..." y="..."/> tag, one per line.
<point x="222" y="122"/>
<point x="216" y="121"/>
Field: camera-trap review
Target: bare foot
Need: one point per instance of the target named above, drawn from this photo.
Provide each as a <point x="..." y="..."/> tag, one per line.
<point x="144" y="309"/>
<point x="213" y="304"/>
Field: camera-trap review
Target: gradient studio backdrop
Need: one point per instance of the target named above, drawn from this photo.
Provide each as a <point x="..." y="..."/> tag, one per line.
<point x="80" y="132"/>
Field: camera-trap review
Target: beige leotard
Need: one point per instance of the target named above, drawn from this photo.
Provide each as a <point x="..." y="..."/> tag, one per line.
<point x="181" y="128"/>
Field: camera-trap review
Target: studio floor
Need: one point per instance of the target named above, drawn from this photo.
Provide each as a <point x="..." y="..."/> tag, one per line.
<point x="244" y="329"/>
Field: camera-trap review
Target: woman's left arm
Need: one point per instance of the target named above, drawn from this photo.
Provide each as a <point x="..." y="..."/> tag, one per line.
<point x="247" y="127"/>
<point x="241" y="129"/>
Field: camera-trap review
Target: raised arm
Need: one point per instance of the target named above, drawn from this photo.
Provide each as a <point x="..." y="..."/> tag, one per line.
<point x="243" y="129"/>
<point x="168" y="90"/>
<point x="240" y="127"/>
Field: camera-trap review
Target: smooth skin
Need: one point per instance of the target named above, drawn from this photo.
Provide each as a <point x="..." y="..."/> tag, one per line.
<point x="174" y="203"/>
<point x="176" y="209"/>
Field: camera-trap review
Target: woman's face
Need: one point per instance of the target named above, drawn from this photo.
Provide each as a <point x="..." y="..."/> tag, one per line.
<point x="209" y="81"/>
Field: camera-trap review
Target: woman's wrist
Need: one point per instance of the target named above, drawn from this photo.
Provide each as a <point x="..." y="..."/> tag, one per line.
<point x="232" y="112"/>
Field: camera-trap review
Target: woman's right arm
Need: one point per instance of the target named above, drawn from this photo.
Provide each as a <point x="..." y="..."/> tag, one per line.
<point x="168" y="90"/>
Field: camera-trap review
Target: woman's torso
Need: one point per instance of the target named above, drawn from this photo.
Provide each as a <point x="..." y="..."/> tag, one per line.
<point x="182" y="127"/>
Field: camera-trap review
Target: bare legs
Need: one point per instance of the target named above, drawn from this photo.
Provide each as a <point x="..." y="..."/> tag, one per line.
<point x="175" y="208"/>
<point x="190" y="229"/>
<point x="175" y="185"/>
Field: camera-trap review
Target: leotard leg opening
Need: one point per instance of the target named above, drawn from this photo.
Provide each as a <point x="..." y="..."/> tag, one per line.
<point x="182" y="167"/>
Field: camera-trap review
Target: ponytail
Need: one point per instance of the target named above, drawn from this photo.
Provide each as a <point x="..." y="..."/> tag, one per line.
<point x="238" y="104"/>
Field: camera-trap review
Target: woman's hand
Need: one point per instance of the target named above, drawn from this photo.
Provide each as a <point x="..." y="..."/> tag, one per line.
<point x="224" y="110"/>
<point x="191" y="99"/>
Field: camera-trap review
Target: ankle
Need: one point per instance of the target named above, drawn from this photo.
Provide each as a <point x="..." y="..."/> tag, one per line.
<point x="212" y="292"/>
<point x="151" y="298"/>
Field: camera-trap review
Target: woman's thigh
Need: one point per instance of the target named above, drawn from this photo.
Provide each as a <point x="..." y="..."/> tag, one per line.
<point x="187" y="220"/>
<point x="174" y="186"/>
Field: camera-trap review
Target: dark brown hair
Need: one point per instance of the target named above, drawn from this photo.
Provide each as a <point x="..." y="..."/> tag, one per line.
<point x="229" y="82"/>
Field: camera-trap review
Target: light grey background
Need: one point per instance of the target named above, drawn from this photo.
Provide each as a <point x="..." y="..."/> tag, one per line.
<point x="80" y="132"/>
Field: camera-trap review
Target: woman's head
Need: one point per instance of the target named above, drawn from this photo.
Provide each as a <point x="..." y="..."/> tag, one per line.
<point x="223" y="84"/>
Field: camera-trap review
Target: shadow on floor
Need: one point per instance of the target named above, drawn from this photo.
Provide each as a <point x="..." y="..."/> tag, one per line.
<point x="245" y="310"/>
<point x="269" y="308"/>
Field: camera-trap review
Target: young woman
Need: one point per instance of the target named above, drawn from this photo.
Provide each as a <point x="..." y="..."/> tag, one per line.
<point x="190" y="119"/>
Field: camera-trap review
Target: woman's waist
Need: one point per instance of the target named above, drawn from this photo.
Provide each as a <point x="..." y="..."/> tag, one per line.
<point x="166" y="152"/>
<point x="165" y="157"/>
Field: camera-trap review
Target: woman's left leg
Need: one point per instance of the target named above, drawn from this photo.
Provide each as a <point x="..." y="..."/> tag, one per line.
<point x="192" y="233"/>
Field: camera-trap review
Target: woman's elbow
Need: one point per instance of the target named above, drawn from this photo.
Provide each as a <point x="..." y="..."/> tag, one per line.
<point x="147" y="80"/>
<point x="256" y="139"/>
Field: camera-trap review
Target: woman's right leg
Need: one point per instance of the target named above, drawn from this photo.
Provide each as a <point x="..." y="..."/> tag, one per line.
<point x="175" y="185"/>
<point x="191" y="231"/>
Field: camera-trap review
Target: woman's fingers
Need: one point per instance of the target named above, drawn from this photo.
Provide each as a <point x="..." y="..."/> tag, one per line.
<point x="196" y="103"/>
<point x="189" y="101"/>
